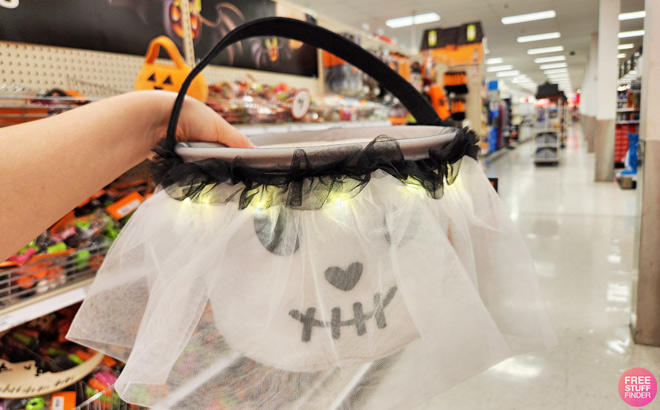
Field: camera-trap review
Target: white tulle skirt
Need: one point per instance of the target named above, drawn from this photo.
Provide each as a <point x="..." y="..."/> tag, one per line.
<point x="376" y="301"/>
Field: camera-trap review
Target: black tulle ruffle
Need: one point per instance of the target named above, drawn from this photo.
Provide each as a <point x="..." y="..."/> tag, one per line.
<point x="312" y="179"/>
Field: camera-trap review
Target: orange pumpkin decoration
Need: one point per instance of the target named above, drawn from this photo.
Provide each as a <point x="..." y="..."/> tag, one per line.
<point x="154" y="76"/>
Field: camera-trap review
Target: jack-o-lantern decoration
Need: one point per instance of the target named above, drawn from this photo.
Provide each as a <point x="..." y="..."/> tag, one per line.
<point x="154" y="76"/>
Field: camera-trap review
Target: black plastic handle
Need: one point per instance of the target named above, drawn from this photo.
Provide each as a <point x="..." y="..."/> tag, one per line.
<point x="327" y="40"/>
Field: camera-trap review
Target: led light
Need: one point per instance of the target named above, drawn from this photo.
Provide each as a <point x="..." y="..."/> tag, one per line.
<point x="628" y="34"/>
<point x="539" y="37"/>
<point x="551" y="66"/>
<point x="549" y="59"/>
<point x="625" y="46"/>
<point x="508" y="73"/>
<point x="413" y="20"/>
<point x="522" y="18"/>
<point x="633" y="15"/>
<point x="499" y="68"/>
<point x="556" y="71"/>
<point x="621" y="55"/>
<point x="544" y="50"/>
<point x="494" y="61"/>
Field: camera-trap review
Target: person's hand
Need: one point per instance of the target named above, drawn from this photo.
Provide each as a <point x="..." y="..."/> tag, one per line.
<point x="198" y="122"/>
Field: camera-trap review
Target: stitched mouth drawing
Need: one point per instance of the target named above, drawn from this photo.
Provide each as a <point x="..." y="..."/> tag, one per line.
<point x="345" y="280"/>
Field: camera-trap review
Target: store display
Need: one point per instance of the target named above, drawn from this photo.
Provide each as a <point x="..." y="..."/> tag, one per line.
<point x="316" y="257"/>
<point x="455" y="82"/>
<point x="154" y="76"/>
<point x="74" y="247"/>
<point x="250" y="102"/>
<point x="40" y="369"/>
<point x="548" y="134"/>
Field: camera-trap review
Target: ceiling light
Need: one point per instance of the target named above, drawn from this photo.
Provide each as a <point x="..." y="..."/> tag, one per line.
<point x="621" y="55"/>
<point x="549" y="59"/>
<point x="544" y="50"/>
<point x="556" y="71"/>
<point x="494" y="61"/>
<point x="634" y="33"/>
<point x="499" y="68"/>
<point x="541" y="15"/>
<point x="508" y="73"/>
<point x="551" y="66"/>
<point x="539" y="37"/>
<point x="413" y="20"/>
<point x="625" y="46"/>
<point x="633" y="15"/>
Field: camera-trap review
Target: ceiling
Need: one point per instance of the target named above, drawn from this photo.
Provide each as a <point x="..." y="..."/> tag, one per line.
<point x="576" y="20"/>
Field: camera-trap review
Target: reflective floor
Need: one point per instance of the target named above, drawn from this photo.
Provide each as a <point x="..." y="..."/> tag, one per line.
<point x="581" y="235"/>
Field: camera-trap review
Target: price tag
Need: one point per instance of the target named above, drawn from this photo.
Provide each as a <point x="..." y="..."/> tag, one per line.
<point x="300" y="105"/>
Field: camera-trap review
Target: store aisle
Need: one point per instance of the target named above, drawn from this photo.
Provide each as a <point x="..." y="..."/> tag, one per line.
<point x="580" y="234"/>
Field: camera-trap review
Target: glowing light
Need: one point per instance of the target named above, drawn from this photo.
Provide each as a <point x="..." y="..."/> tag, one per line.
<point x="545" y="50"/>
<point x="522" y="18"/>
<point x="539" y="37"/>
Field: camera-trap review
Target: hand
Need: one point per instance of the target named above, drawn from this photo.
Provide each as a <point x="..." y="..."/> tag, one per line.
<point x="198" y="122"/>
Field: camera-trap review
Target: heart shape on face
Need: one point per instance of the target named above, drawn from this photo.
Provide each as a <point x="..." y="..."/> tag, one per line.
<point x="344" y="279"/>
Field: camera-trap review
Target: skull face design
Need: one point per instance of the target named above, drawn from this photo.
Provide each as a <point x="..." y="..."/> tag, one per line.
<point x="316" y="288"/>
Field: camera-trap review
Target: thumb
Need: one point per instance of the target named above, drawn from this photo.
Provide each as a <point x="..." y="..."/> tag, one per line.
<point x="230" y="136"/>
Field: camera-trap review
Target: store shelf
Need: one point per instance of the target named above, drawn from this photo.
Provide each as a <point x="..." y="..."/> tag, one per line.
<point x="255" y="129"/>
<point x="627" y="110"/>
<point x="627" y="122"/>
<point x="38" y="306"/>
<point x="546" y="159"/>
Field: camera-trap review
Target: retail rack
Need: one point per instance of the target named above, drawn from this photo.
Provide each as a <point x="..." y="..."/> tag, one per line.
<point x="547" y="136"/>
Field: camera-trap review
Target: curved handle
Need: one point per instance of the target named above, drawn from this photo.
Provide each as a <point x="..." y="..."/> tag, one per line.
<point x="322" y="38"/>
<point x="169" y="46"/>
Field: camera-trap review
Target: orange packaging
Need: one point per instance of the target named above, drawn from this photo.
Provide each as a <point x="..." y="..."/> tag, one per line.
<point x="125" y="206"/>
<point x="63" y="400"/>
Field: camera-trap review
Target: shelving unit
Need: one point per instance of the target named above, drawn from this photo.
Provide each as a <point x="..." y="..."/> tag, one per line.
<point x="547" y="139"/>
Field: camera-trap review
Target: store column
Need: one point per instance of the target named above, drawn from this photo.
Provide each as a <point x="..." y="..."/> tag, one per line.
<point x="647" y="309"/>
<point x="589" y="88"/>
<point x="607" y="76"/>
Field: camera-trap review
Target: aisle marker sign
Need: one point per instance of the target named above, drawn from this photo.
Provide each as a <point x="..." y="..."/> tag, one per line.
<point x="638" y="387"/>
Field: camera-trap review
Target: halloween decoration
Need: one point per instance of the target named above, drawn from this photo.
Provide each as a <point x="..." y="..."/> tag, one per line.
<point x="173" y="15"/>
<point x="154" y="76"/>
<point x="281" y="277"/>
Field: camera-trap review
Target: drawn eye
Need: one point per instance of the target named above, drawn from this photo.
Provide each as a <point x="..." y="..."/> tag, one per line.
<point x="396" y="233"/>
<point x="168" y="80"/>
<point x="152" y="78"/>
<point x="275" y="231"/>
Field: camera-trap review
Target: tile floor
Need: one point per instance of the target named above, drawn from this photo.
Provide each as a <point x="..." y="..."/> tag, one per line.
<point x="581" y="235"/>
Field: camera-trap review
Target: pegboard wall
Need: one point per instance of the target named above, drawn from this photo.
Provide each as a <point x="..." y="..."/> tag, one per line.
<point x="95" y="73"/>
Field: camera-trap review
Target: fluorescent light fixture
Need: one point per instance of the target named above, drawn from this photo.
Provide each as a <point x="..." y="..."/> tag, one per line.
<point x="551" y="66"/>
<point x="522" y="18"/>
<point x="499" y="68"/>
<point x="556" y="71"/>
<point x="621" y="55"/>
<point x="544" y="50"/>
<point x="628" y="34"/>
<point x="494" y="61"/>
<point x="549" y="59"/>
<point x="633" y="15"/>
<point x="508" y="73"/>
<point x="413" y="20"/>
<point x="539" y="37"/>
<point x="625" y="46"/>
